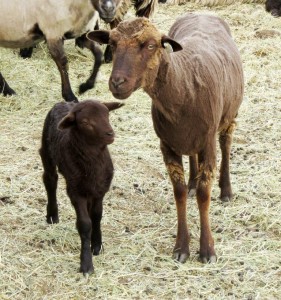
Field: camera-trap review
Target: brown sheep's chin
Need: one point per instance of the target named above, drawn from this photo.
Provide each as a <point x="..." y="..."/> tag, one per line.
<point x="121" y="95"/>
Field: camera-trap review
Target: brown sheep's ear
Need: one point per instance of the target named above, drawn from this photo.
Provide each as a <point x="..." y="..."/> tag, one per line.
<point x="113" y="105"/>
<point x="175" y="45"/>
<point x="67" y="121"/>
<point x="100" y="36"/>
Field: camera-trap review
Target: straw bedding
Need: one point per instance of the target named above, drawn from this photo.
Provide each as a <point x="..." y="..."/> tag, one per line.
<point x="38" y="261"/>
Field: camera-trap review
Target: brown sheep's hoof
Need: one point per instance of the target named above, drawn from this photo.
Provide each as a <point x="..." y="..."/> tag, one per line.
<point x="180" y="257"/>
<point x="226" y="199"/>
<point x="209" y="259"/>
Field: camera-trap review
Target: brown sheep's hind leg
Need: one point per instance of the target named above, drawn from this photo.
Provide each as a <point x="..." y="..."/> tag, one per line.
<point x="225" y="139"/>
<point x="193" y="172"/>
<point x="207" y="163"/>
<point x="175" y="169"/>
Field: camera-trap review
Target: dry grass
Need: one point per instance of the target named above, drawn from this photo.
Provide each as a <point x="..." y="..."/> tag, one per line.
<point x="38" y="261"/>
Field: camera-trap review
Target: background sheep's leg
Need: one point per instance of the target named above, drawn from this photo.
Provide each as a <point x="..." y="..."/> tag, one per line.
<point x="108" y="52"/>
<point x="50" y="179"/>
<point x="193" y="172"/>
<point x="26" y="52"/>
<point x="5" y="88"/>
<point x="207" y="165"/>
<point x="225" y="139"/>
<point x="82" y="42"/>
<point x="175" y="169"/>
<point x="84" y="227"/>
<point x="96" y="216"/>
<point x="58" y="55"/>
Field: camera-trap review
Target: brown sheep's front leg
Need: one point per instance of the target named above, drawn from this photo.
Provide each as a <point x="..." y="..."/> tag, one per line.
<point x="84" y="227"/>
<point x="175" y="169"/>
<point x="58" y="55"/>
<point x="225" y="139"/>
<point x="207" y="165"/>
<point x="96" y="216"/>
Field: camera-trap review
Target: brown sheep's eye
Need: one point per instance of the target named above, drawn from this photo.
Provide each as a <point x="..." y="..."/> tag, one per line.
<point x="150" y="47"/>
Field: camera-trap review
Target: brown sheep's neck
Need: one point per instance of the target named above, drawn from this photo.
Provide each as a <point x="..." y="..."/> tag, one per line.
<point x="172" y="88"/>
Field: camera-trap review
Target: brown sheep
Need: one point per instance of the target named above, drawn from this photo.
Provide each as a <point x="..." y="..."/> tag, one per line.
<point x="74" y="141"/>
<point x="196" y="92"/>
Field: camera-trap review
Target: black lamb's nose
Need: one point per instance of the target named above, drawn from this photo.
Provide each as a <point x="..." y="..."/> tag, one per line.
<point x="110" y="133"/>
<point x="117" y="81"/>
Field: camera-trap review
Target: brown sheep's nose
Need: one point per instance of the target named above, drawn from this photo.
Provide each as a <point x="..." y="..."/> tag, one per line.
<point x="117" y="81"/>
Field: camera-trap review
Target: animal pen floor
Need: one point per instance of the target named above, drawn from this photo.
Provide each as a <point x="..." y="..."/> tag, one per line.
<point x="38" y="261"/>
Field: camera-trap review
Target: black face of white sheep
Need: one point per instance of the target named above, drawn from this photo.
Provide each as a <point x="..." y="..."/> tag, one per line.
<point x="74" y="141"/>
<point x="196" y="92"/>
<point x="274" y="7"/>
<point x="46" y="20"/>
<point x="106" y="9"/>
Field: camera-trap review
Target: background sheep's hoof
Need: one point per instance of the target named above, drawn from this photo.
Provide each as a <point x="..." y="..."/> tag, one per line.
<point x="84" y="87"/>
<point x="8" y="91"/>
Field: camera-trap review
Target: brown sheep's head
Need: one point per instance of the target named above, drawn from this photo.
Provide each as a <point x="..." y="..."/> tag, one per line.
<point x="137" y="47"/>
<point x="90" y="119"/>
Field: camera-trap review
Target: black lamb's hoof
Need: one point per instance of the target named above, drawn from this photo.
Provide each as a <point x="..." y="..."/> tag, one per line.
<point x="52" y="219"/>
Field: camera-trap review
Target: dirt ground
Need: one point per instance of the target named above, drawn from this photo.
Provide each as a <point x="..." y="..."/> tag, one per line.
<point x="38" y="261"/>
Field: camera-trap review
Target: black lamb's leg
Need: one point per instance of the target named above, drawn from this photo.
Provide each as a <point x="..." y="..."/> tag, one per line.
<point x="84" y="227"/>
<point x="50" y="179"/>
<point x="96" y="216"/>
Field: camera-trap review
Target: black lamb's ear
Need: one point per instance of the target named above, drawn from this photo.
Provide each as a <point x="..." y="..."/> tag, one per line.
<point x="67" y="121"/>
<point x="100" y="36"/>
<point x="175" y="45"/>
<point x="113" y="105"/>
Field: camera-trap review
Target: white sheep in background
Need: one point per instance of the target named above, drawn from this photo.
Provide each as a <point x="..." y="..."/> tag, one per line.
<point x="24" y="23"/>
